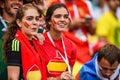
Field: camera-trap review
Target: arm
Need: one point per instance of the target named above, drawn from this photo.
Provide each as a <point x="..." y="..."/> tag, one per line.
<point x="13" y="72"/>
<point x="86" y="22"/>
<point x="90" y="25"/>
<point x="76" y="23"/>
<point x="13" y="60"/>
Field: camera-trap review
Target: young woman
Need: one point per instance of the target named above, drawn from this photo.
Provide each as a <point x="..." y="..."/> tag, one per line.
<point x="22" y="52"/>
<point x="59" y="52"/>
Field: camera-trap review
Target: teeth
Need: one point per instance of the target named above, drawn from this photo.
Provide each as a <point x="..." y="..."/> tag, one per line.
<point x="61" y="24"/>
<point x="16" y="6"/>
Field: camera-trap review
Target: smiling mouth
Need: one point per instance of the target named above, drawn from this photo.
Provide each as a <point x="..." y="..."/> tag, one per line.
<point x="16" y="7"/>
<point x="34" y="29"/>
<point x="61" y="25"/>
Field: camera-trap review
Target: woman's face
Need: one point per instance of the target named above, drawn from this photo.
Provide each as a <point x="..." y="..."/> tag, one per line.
<point x="30" y="22"/>
<point x="59" y="20"/>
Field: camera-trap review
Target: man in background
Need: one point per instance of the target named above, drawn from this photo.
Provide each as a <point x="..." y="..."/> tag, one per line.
<point x="104" y="66"/>
<point x="108" y="25"/>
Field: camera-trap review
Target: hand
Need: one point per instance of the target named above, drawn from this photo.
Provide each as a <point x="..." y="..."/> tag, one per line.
<point x="90" y="26"/>
<point x="66" y="76"/>
<point x="76" y="24"/>
<point x="40" y="37"/>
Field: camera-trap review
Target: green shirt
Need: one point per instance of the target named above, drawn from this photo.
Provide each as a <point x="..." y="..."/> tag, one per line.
<point x="3" y="65"/>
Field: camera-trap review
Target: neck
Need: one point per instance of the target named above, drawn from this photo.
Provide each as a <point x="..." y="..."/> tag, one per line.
<point x="29" y="37"/>
<point x="55" y="35"/>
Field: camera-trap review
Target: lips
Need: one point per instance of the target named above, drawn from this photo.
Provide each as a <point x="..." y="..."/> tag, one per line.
<point x="62" y="25"/>
<point x="16" y="7"/>
<point x="34" y="29"/>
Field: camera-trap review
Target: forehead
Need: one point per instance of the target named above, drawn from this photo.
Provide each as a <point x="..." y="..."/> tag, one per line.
<point x="106" y="63"/>
<point x="113" y="1"/>
<point x="31" y="11"/>
<point x="14" y="0"/>
<point x="60" y="10"/>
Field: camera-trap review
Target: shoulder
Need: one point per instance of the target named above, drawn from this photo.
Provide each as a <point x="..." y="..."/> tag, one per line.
<point x="89" y="67"/>
<point x="106" y="15"/>
<point x="68" y="41"/>
<point x="88" y="71"/>
<point x="13" y="45"/>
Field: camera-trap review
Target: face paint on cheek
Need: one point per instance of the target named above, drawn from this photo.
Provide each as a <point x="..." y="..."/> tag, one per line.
<point x="53" y="22"/>
<point x="26" y="24"/>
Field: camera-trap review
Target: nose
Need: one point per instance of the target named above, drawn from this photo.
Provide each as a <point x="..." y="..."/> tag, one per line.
<point x="62" y="18"/>
<point x="108" y="73"/>
<point x="18" y="1"/>
<point x="35" y="22"/>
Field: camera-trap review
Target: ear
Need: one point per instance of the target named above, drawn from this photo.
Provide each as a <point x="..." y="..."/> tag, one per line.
<point x="18" y="23"/>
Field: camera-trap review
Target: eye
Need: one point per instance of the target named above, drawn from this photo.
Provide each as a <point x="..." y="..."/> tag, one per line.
<point x="21" y="0"/>
<point x="37" y="18"/>
<point x="29" y="18"/>
<point x="105" y="69"/>
<point x="57" y="16"/>
<point x="66" y="16"/>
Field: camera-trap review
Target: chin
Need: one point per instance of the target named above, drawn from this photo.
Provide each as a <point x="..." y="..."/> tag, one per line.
<point x="33" y="33"/>
<point x="106" y="76"/>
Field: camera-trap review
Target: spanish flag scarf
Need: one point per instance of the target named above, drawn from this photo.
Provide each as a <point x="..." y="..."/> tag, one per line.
<point x="32" y="61"/>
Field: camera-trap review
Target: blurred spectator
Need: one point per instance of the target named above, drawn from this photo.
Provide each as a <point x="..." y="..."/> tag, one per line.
<point x="99" y="7"/>
<point x="118" y="11"/>
<point x="108" y="25"/>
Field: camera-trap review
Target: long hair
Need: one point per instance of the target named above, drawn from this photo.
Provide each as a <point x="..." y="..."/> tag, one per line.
<point x="50" y="11"/>
<point x="13" y="27"/>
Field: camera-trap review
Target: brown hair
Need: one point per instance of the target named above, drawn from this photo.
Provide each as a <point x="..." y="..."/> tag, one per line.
<point x="50" y="11"/>
<point x="110" y="52"/>
<point x="13" y="27"/>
